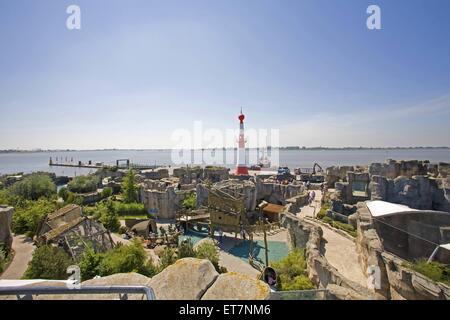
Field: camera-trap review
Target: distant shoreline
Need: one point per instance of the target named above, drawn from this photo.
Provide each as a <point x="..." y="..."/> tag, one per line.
<point x="281" y="148"/>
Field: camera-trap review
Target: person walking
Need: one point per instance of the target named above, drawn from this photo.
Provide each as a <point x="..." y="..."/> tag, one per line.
<point x="312" y="196"/>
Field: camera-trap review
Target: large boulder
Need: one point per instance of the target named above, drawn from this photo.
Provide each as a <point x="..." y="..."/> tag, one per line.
<point x="186" y="279"/>
<point x="235" y="286"/>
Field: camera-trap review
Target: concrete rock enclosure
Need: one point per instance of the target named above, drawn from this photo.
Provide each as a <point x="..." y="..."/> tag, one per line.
<point x="6" y="237"/>
<point x="187" y="279"/>
<point x="396" y="280"/>
<point x="417" y="184"/>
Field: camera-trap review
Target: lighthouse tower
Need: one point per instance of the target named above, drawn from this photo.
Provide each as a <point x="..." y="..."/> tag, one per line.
<point x="241" y="168"/>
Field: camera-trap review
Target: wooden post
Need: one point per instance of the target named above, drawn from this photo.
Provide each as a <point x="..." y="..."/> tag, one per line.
<point x="265" y="246"/>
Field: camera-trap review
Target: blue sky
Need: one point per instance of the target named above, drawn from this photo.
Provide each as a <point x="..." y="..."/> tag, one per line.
<point x="139" y="70"/>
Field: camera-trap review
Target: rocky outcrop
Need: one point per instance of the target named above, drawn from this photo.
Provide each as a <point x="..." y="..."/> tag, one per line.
<point x="396" y="280"/>
<point x="410" y="285"/>
<point x="235" y="286"/>
<point x="186" y="279"/>
<point x="6" y="237"/>
<point x="306" y="235"/>
<point x="163" y="203"/>
<point x="392" y="169"/>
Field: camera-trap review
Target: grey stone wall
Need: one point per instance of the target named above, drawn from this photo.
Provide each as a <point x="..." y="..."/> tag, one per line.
<point x="6" y="237"/>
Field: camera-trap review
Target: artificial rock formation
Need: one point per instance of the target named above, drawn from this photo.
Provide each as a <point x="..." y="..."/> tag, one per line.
<point x="235" y="286"/>
<point x="6" y="237"/>
<point x="186" y="279"/>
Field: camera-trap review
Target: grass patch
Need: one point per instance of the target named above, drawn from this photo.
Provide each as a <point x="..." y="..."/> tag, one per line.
<point x="322" y="215"/>
<point x="434" y="270"/>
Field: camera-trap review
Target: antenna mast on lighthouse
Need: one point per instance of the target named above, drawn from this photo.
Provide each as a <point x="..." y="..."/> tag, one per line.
<point x="241" y="168"/>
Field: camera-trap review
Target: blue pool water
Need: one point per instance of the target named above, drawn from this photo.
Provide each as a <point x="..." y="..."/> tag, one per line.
<point x="277" y="250"/>
<point x="195" y="237"/>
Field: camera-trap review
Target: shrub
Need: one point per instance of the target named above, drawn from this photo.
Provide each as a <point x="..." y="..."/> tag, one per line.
<point x="107" y="192"/>
<point x="90" y="264"/>
<point x="208" y="250"/>
<point x="129" y="209"/>
<point x="434" y="270"/>
<point x="129" y="187"/>
<point x="34" y="187"/>
<point x="123" y="259"/>
<point x="63" y="193"/>
<point x="84" y="184"/>
<point x="186" y="249"/>
<point x="2" y="259"/>
<point x="167" y="258"/>
<point x="108" y="217"/>
<point x="48" y="262"/>
<point x="27" y="217"/>
<point x="190" y="202"/>
<point x="291" y="272"/>
<point x="323" y="210"/>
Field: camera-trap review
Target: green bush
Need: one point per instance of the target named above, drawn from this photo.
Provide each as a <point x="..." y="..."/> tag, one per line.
<point x="26" y="218"/>
<point x="107" y="192"/>
<point x="209" y="251"/>
<point x="34" y="187"/>
<point x="121" y="259"/>
<point x="130" y="209"/>
<point x="84" y="184"/>
<point x="434" y="270"/>
<point x="186" y="249"/>
<point x="129" y="188"/>
<point x="2" y="259"/>
<point x="291" y="272"/>
<point x="108" y="217"/>
<point x="48" y="262"/>
<point x="63" y="193"/>
<point x="167" y="258"/>
<point x="190" y="202"/>
<point x="323" y="210"/>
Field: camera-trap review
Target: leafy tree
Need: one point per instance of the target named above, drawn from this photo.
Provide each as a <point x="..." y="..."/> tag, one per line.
<point x="108" y="216"/>
<point x="190" y="202"/>
<point x="129" y="187"/>
<point x="34" y="187"/>
<point x="48" y="262"/>
<point x="84" y="184"/>
<point x="106" y="192"/>
<point x="291" y="272"/>
<point x="209" y="251"/>
<point x="123" y="258"/>
<point x="63" y="193"/>
<point x="26" y="217"/>
<point x="90" y="264"/>
<point x="129" y="258"/>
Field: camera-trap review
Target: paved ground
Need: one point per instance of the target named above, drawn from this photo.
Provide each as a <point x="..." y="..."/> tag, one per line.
<point x="23" y="248"/>
<point x="313" y="209"/>
<point x="339" y="250"/>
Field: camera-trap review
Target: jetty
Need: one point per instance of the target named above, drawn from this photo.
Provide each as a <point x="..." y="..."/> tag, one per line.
<point x="120" y="163"/>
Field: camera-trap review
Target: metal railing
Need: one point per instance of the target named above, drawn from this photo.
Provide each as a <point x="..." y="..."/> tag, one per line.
<point x="26" y="293"/>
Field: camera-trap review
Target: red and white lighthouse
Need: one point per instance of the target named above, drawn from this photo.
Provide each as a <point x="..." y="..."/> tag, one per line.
<point x="241" y="168"/>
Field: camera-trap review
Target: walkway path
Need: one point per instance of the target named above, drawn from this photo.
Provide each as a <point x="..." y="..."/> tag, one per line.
<point x="339" y="250"/>
<point x="23" y="251"/>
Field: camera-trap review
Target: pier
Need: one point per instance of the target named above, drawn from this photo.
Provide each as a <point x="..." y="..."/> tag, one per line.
<point x="120" y="164"/>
